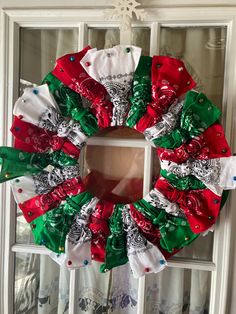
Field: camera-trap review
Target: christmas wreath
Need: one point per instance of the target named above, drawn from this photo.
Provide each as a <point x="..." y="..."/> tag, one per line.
<point x="153" y="95"/>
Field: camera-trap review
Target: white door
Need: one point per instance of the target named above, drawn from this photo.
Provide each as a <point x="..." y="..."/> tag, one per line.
<point x="196" y="280"/>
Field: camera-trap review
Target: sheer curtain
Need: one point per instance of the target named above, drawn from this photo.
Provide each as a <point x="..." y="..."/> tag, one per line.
<point x="174" y="291"/>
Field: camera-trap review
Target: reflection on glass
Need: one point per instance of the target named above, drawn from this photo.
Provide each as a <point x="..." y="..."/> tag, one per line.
<point x="39" y="49"/>
<point x="141" y="38"/>
<point x="203" y="51"/>
<point x="23" y="230"/>
<point x="41" y="286"/>
<point x="101" y="38"/>
<point x="107" y="38"/>
<point x="114" y="173"/>
<point x="179" y="291"/>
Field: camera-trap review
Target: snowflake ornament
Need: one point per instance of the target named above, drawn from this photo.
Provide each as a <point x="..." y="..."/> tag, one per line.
<point x="124" y="10"/>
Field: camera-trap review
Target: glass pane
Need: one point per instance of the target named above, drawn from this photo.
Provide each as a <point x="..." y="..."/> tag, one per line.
<point x="178" y="291"/>
<point x="41" y="286"/>
<point x="101" y="38"/>
<point x="141" y="38"/>
<point x="203" y="51"/>
<point x="39" y="48"/>
<point x="114" y="173"/>
<point x="114" y="292"/>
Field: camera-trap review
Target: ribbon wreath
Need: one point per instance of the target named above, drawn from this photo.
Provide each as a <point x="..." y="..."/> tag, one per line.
<point x="154" y="96"/>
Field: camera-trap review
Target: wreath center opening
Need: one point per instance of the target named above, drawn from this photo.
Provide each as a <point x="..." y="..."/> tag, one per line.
<point x="114" y="172"/>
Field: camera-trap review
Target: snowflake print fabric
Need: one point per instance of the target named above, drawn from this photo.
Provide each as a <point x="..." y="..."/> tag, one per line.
<point x="92" y="90"/>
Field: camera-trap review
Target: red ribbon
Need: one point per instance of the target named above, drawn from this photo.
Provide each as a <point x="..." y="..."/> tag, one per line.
<point x="30" y="138"/>
<point x="149" y="230"/>
<point x="201" y="207"/>
<point x="170" y="80"/>
<point x="40" y="204"/>
<point x="201" y="147"/>
<point x="69" y="70"/>
<point x="100" y="229"/>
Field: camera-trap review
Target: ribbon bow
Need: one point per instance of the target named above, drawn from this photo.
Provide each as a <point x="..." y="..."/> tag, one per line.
<point x="100" y="231"/>
<point x="201" y="207"/>
<point x="170" y="79"/>
<point x="116" y="250"/>
<point x="200" y="147"/>
<point x="40" y="204"/>
<point x="16" y="163"/>
<point x="69" y="70"/>
<point x="143" y="255"/>
<point x="141" y="91"/>
<point x="51" y="228"/>
<point x="70" y="104"/>
<point x="37" y="106"/>
<point x="114" y="69"/>
<point x="217" y="174"/>
<point x="197" y="115"/>
<point x="171" y="239"/>
<point x="30" y="138"/>
<point x="78" y="242"/>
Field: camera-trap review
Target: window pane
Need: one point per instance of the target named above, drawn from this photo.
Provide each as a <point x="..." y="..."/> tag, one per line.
<point x="203" y="51"/>
<point x="114" y="173"/>
<point x="141" y="38"/>
<point x="41" y="286"/>
<point x="39" y="48"/>
<point x="178" y="291"/>
<point x="115" y="292"/>
<point x="101" y="38"/>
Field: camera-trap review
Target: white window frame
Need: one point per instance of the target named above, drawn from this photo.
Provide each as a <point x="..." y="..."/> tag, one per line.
<point x="11" y="21"/>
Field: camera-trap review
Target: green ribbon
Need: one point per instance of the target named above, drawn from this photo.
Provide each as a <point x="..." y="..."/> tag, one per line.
<point x="181" y="235"/>
<point x="116" y="250"/>
<point x="142" y="86"/>
<point x="51" y="228"/>
<point x="197" y="115"/>
<point x="16" y="163"/>
<point x="186" y="183"/>
<point x="70" y="104"/>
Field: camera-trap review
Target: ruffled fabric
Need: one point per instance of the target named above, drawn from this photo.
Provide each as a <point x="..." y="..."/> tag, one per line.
<point x="38" y="107"/>
<point x="29" y="186"/>
<point x="16" y="163"/>
<point x="40" y="204"/>
<point x="52" y="228"/>
<point x="51" y="125"/>
<point x="114" y="69"/>
<point x="70" y="104"/>
<point x="98" y="225"/>
<point x="31" y="138"/>
<point x="200" y="147"/>
<point x="180" y="236"/>
<point x="197" y="115"/>
<point x="143" y="256"/>
<point x="201" y="207"/>
<point x="78" y="240"/>
<point x="170" y="80"/>
<point x="217" y="174"/>
<point x="69" y="70"/>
